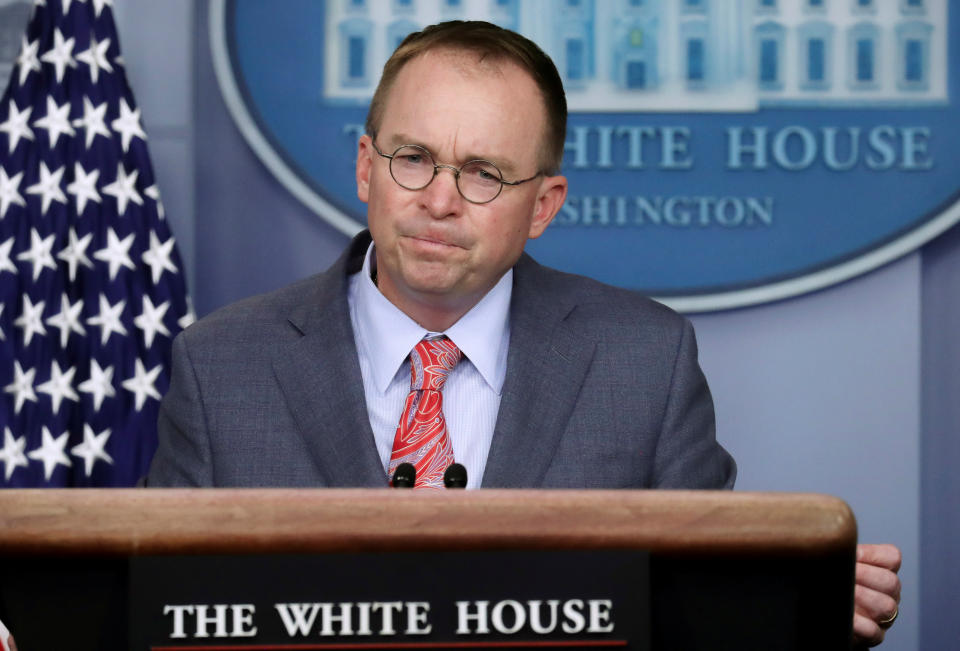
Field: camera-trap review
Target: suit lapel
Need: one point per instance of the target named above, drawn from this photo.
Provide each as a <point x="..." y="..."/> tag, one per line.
<point x="546" y="365"/>
<point x="320" y="378"/>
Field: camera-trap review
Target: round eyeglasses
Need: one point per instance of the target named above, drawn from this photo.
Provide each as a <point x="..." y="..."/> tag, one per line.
<point x="478" y="181"/>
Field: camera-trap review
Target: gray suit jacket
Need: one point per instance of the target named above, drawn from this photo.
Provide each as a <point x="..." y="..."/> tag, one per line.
<point x="603" y="390"/>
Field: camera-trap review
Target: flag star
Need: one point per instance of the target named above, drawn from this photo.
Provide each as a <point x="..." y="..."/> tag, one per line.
<point x="93" y="121"/>
<point x="98" y="6"/>
<point x="99" y="385"/>
<point x="158" y="257"/>
<point x="73" y="254"/>
<point x="141" y="384"/>
<point x="27" y="59"/>
<point x="58" y="386"/>
<point x="84" y="187"/>
<point x="49" y="187"/>
<point x="31" y="319"/>
<point x="3" y="336"/>
<point x="92" y="448"/>
<point x="124" y="189"/>
<point x="22" y="386"/>
<point x="61" y="54"/>
<point x="39" y="253"/>
<point x="9" y="186"/>
<point x="68" y="319"/>
<point x="151" y="320"/>
<point x="51" y="452"/>
<point x="154" y="193"/>
<point x="96" y="57"/>
<point x="128" y="125"/>
<point x="5" y="264"/>
<point x="116" y="252"/>
<point x="12" y="454"/>
<point x="16" y="125"/>
<point x="108" y="319"/>
<point x="55" y="121"/>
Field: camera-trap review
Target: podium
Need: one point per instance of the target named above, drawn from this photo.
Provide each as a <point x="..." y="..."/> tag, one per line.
<point x="84" y="568"/>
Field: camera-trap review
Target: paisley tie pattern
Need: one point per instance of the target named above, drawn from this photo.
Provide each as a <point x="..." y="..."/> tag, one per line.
<point x="422" y="438"/>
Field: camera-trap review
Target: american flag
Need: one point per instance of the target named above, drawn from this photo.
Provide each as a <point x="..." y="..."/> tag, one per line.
<point x="91" y="286"/>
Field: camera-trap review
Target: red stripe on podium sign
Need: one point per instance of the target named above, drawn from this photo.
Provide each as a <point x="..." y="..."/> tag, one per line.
<point x="538" y="644"/>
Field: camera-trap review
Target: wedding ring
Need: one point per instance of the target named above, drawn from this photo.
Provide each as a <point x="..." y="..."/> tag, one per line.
<point x="887" y="623"/>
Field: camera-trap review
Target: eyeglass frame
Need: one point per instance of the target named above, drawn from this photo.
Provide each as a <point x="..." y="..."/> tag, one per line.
<point x="456" y="172"/>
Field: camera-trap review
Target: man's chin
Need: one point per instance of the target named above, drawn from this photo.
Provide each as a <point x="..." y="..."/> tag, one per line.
<point x="439" y="273"/>
<point x="437" y="289"/>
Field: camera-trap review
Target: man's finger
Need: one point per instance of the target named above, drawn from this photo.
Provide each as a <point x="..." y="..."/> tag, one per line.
<point x="879" y="579"/>
<point x="866" y="631"/>
<point x="875" y="605"/>
<point x="887" y="556"/>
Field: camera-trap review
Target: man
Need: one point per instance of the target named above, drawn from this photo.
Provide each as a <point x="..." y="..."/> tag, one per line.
<point x="527" y="376"/>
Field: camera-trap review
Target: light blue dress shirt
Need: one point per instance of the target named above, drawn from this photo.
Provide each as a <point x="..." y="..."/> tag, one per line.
<point x="471" y="397"/>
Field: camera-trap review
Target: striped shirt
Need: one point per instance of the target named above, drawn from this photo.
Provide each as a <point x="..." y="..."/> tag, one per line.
<point x="471" y="397"/>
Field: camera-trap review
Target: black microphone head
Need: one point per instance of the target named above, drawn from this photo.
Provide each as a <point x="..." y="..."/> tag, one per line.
<point x="455" y="476"/>
<point x="405" y="476"/>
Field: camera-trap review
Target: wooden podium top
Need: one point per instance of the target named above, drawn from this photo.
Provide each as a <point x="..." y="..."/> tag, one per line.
<point x="193" y="521"/>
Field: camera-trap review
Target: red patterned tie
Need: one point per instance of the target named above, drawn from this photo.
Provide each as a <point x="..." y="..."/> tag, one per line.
<point x="422" y="433"/>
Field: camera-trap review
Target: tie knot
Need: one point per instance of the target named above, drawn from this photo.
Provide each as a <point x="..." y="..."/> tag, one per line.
<point x="431" y="361"/>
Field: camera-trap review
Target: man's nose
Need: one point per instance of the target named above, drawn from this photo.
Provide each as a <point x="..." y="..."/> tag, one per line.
<point x="441" y="197"/>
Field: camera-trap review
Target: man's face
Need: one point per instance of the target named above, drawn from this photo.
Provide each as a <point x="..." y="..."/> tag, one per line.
<point x="437" y="252"/>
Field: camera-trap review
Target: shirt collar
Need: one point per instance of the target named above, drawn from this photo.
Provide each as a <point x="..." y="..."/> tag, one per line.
<point x="482" y="334"/>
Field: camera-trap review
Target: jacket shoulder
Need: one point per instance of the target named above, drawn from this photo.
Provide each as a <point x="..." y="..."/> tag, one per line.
<point x="259" y="316"/>
<point x="603" y="304"/>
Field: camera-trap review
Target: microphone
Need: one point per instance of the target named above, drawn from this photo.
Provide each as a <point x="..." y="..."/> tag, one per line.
<point x="455" y="476"/>
<point x="405" y="476"/>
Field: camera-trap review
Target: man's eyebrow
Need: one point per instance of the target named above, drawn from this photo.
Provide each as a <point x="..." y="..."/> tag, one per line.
<point x="505" y="166"/>
<point x="400" y="139"/>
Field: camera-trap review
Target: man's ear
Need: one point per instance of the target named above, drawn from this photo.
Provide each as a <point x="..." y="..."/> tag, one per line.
<point x="550" y="197"/>
<point x="364" y="165"/>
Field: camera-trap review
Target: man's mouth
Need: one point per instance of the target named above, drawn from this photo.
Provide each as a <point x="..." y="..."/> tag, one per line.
<point x="433" y="242"/>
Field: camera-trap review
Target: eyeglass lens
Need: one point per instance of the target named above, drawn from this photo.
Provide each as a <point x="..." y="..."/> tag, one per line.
<point x="414" y="168"/>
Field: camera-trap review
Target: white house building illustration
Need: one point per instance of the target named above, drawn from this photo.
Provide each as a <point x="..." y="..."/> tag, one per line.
<point x="680" y="55"/>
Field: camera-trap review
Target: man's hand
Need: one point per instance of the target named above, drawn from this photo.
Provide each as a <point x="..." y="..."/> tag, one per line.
<point x="6" y="640"/>
<point x="876" y="597"/>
